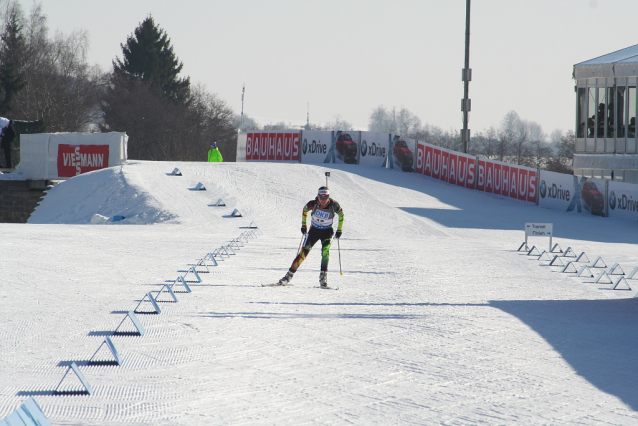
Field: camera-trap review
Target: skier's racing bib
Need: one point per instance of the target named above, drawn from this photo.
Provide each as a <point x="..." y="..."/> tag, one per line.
<point x="321" y="219"/>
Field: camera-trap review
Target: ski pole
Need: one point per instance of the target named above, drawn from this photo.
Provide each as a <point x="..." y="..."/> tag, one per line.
<point x="339" y="250"/>
<point x="303" y="237"/>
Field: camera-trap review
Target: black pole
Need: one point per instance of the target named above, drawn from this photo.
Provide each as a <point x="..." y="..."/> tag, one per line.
<point x="467" y="76"/>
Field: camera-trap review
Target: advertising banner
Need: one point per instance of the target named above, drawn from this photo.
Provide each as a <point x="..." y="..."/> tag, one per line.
<point x="623" y="200"/>
<point x="433" y="161"/>
<point x="374" y="149"/>
<point x="462" y="170"/>
<point x="568" y="193"/>
<point x="507" y="180"/>
<point x="317" y="147"/>
<point x="589" y="196"/>
<point x="74" y="160"/>
<point x="401" y="154"/>
<point x="63" y="155"/>
<point x="556" y="190"/>
<point x="272" y="146"/>
<point x="347" y="147"/>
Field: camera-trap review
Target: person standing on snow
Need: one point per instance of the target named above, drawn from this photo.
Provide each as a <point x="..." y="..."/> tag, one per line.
<point x="214" y="155"/>
<point x="8" y="134"/>
<point x="322" y="212"/>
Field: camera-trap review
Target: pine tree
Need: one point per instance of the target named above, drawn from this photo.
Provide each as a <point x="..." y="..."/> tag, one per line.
<point x="148" y="56"/>
<point x="11" y="50"/>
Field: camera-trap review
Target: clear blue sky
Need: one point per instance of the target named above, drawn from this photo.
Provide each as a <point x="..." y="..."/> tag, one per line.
<point x="347" y="57"/>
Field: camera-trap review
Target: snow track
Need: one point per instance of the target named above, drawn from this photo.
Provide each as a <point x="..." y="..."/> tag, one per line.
<point x="438" y="320"/>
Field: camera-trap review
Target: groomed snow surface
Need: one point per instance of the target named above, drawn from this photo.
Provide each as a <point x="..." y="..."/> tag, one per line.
<point x="438" y="319"/>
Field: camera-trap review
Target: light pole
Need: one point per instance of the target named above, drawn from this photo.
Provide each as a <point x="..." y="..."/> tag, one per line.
<point x="466" y="104"/>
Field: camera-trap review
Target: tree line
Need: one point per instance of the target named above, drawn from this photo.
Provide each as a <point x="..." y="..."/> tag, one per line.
<point x="516" y="141"/>
<point x="47" y="78"/>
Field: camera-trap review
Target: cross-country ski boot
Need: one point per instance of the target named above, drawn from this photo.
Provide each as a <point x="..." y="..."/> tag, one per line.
<point x="323" y="279"/>
<point x="286" y="279"/>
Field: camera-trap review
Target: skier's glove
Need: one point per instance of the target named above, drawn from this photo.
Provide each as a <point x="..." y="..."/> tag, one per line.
<point x="304" y="230"/>
<point x="338" y="234"/>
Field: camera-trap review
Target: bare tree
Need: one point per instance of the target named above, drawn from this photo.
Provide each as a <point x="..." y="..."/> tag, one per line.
<point x="59" y="85"/>
<point x="485" y="144"/>
<point x="407" y="123"/>
<point x="380" y="120"/>
<point x="563" y="160"/>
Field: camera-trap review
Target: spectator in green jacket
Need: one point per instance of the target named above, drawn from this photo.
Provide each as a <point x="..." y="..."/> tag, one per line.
<point x="213" y="154"/>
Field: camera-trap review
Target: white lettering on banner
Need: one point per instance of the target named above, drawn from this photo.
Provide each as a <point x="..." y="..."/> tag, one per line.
<point x="452" y="171"/>
<point x="532" y="187"/>
<point x="295" y="144"/>
<point x="470" y="172"/>
<point x="79" y="159"/>
<point x="513" y="184"/>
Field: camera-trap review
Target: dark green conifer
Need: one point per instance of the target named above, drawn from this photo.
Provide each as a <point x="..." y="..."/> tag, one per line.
<point x="148" y="56"/>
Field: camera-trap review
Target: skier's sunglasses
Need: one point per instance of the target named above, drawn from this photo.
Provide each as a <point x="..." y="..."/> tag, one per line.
<point x="324" y="196"/>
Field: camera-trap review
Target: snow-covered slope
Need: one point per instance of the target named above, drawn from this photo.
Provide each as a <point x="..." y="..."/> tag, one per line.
<point x="438" y="319"/>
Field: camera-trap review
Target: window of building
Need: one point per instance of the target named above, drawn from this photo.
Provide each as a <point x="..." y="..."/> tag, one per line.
<point x="631" y="112"/>
<point x="601" y="113"/>
<point x="581" y="113"/>
<point x="620" y="111"/>
<point x="609" y="92"/>
<point x="591" y="121"/>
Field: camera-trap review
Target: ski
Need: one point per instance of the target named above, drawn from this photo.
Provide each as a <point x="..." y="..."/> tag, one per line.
<point x="327" y="288"/>
<point x="276" y="285"/>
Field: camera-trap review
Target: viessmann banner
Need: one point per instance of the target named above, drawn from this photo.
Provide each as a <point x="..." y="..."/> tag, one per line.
<point x="74" y="160"/>
<point x="273" y="146"/>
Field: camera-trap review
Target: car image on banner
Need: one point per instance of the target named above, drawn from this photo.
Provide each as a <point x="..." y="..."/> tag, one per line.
<point x="403" y="156"/>
<point x="592" y="199"/>
<point x="347" y="147"/>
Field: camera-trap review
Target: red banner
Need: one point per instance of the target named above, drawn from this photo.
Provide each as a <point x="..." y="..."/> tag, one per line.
<point x="77" y="159"/>
<point x="507" y="180"/>
<point x="492" y="176"/>
<point x="462" y="170"/>
<point x="448" y="166"/>
<point x="272" y="146"/>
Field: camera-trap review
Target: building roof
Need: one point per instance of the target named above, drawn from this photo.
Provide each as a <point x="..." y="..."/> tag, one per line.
<point x="622" y="63"/>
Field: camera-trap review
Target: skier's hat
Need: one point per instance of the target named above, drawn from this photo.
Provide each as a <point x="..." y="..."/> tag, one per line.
<point x="323" y="193"/>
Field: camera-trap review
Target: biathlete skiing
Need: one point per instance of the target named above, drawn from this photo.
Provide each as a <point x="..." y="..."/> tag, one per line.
<point x="322" y="212"/>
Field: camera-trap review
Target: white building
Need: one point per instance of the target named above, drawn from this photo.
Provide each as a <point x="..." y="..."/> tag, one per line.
<point x="606" y="104"/>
